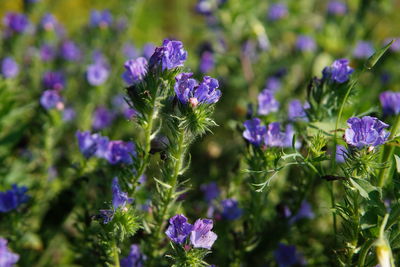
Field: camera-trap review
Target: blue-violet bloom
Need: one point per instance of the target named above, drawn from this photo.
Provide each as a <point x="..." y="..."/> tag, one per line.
<point x="13" y="198"/>
<point x="7" y="257"/>
<point x="169" y="56"/>
<point x="135" y="70"/>
<point x="9" y="68"/>
<point x="178" y="229"/>
<point x="267" y="102"/>
<point x="390" y="102"/>
<point x="201" y="235"/>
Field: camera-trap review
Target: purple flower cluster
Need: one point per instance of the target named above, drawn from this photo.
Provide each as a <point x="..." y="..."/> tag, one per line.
<point x="120" y="199"/>
<point x="365" y="132"/>
<point x="210" y="190"/>
<point x="297" y="110"/>
<point x="207" y="62"/>
<point x="200" y="233"/>
<point x="135" y="70"/>
<point x="272" y="136"/>
<point x="51" y="99"/>
<point x="230" y="209"/>
<point x="49" y="22"/>
<point x="273" y="84"/>
<point x="390" y="102"/>
<point x="114" y="152"/>
<point x="305" y="43"/>
<point x="53" y="80"/>
<point x="339" y="71"/>
<point x="287" y="255"/>
<point x="7" y="257"/>
<point x="102" y="118"/>
<point x="336" y="8"/>
<point x="189" y="91"/>
<point x="267" y="102"/>
<point x="97" y="74"/>
<point x="363" y="49"/>
<point x="277" y="11"/>
<point x="15" y="23"/>
<point x="134" y="259"/>
<point x="13" y="198"/>
<point x="70" y="51"/>
<point x="47" y="52"/>
<point x="169" y="56"/>
<point x="9" y="68"/>
<point x="100" y="18"/>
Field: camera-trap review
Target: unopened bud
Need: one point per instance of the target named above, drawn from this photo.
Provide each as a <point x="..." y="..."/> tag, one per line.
<point x="193" y="102"/>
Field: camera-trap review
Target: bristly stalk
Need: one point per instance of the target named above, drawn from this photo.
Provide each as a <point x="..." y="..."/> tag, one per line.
<point x="115" y="254"/>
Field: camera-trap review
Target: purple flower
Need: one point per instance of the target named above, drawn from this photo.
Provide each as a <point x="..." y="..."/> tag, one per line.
<point x="102" y="146"/>
<point x="135" y="70"/>
<point x="134" y="259"/>
<point x="205" y="7"/>
<point x="305" y="212"/>
<point x="87" y="143"/>
<point x="267" y="102"/>
<point x="390" y="102"/>
<point x="51" y="99"/>
<point x="339" y="71"/>
<point x="207" y="61"/>
<point x="273" y="84"/>
<point x="9" y="68"/>
<point x="13" y="198"/>
<point x="120" y="199"/>
<point x="69" y="114"/>
<point x="47" y="52"/>
<point x="230" y="209"/>
<point x="305" y="43"/>
<point x="254" y="131"/>
<point x="148" y="50"/>
<point x="336" y="8"/>
<point x="100" y="18"/>
<point x="210" y="190"/>
<point x="7" y="257"/>
<point x="340" y="154"/>
<point x="297" y="110"/>
<point x="70" y="51"/>
<point x="201" y="235"/>
<point x="286" y="255"/>
<point x="122" y="107"/>
<point x="97" y="74"/>
<point x="274" y="136"/>
<point x="169" y="56"/>
<point x="395" y="47"/>
<point x="188" y="90"/>
<point x="15" y="22"/>
<point x="49" y="22"/>
<point x="53" y="80"/>
<point x="129" y="51"/>
<point x="277" y="11"/>
<point x="102" y="118"/>
<point x="178" y="229"/>
<point x="366" y="131"/>
<point x="363" y="49"/>
<point x="120" y="152"/>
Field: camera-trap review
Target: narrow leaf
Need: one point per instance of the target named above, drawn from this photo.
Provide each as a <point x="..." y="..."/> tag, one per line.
<point x="372" y="60"/>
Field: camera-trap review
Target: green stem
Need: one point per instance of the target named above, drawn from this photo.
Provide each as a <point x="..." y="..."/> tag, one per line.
<point x="388" y="153"/>
<point x="115" y="254"/>
<point x="364" y="252"/>
<point x="333" y="204"/>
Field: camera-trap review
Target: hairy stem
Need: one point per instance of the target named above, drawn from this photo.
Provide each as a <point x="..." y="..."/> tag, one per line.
<point x="115" y="254"/>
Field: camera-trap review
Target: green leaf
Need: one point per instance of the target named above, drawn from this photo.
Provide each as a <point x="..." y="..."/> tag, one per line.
<point x="372" y="60"/>
<point x="397" y="158"/>
<point x="163" y="184"/>
<point x="363" y="187"/>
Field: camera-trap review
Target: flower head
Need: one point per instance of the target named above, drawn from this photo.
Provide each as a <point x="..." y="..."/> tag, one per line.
<point x="339" y="71"/>
<point x="178" y="229"/>
<point x="70" y="51"/>
<point x="53" y="80"/>
<point x="69" y="114"/>
<point x="148" y="50"/>
<point x="47" y="52"/>
<point x="363" y="49"/>
<point x="15" y="22"/>
<point x="210" y="190"/>
<point x="120" y="152"/>
<point x="97" y="74"/>
<point x="305" y="43"/>
<point x="390" y="102"/>
<point x="100" y="18"/>
<point x="267" y="102"/>
<point x="134" y="259"/>
<point x="287" y="255"/>
<point x="102" y="118"/>
<point x="273" y="84"/>
<point x="201" y="235"/>
<point x="7" y="258"/>
<point x="366" y="131"/>
<point x="49" y="22"/>
<point x="297" y="110"/>
<point x="120" y="199"/>
<point x="305" y="212"/>
<point x="230" y="209"/>
<point x="13" y="198"/>
<point x="169" y="56"/>
<point x="207" y="61"/>
<point x="135" y="70"/>
<point x="254" y="131"/>
<point x="87" y="143"/>
<point x="9" y="68"/>
<point x="51" y="99"/>
<point x="336" y="8"/>
<point x="277" y="11"/>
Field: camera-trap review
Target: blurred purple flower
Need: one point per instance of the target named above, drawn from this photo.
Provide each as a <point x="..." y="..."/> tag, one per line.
<point x="13" y="198"/>
<point x="273" y="84"/>
<point x="201" y="235"/>
<point x="7" y="257"/>
<point x="134" y="259"/>
<point x="87" y="143"/>
<point x="102" y="118"/>
<point x="97" y="74"/>
<point x="210" y="190"/>
<point x="390" y="102"/>
<point x="340" y="154"/>
<point x="305" y="212"/>
<point x="51" y="99"/>
<point x="47" y="52"/>
<point x="9" y="68"/>
<point x="122" y="107"/>
<point x="148" y="50"/>
<point x="130" y="51"/>
<point x="363" y="49"/>
<point x="230" y="209"/>
<point x="297" y="110"/>
<point x="169" y="56"/>
<point x="100" y="18"/>
<point x="339" y="71"/>
<point x="53" y="80"/>
<point x="69" y="114"/>
<point x="178" y="229"/>
<point x="135" y="70"/>
<point x="254" y="131"/>
<point x="277" y="11"/>
<point x="305" y="43"/>
<point x="205" y="7"/>
<point x="120" y="152"/>
<point x="15" y="23"/>
<point x="366" y="131"/>
<point x="207" y="62"/>
<point x="70" y="51"/>
<point x="274" y="136"/>
<point x="395" y="47"/>
<point x="336" y="8"/>
<point x="49" y="22"/>
<point x="286" y="256"/>
<point x="267" y="102"/>
<point x="120" y="199"/>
